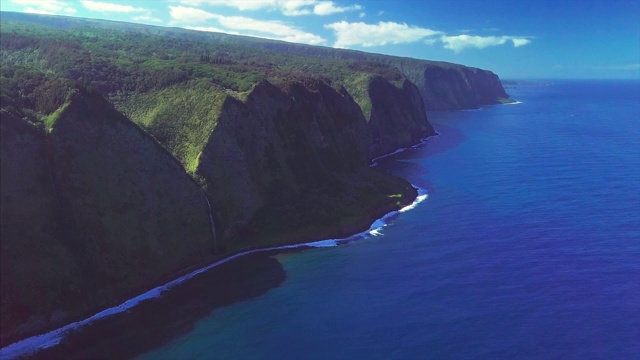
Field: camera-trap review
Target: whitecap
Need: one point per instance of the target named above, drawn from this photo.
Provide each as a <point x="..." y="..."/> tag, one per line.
<point x="418" y="200"/>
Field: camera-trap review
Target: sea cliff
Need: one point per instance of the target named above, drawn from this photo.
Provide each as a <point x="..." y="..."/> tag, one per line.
<point x="92" y="208"/>
<point x="118" y="173"/>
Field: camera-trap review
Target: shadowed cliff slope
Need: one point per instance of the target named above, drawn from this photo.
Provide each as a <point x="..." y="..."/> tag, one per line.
<point x="283" y="151"/>
<point x="93" y="211"/>
<point x="460" y="88"/>
<point x="398" y="118"/>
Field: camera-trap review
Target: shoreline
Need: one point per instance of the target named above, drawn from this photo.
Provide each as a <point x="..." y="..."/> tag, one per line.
<point x="374" y="161"/>
<point x="33" y="344"/>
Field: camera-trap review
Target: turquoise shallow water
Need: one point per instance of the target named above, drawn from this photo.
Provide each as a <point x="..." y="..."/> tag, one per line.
<point x="527" y="247"/>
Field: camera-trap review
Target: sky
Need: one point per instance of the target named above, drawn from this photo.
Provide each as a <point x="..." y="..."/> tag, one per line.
<point x="521" y="39"/>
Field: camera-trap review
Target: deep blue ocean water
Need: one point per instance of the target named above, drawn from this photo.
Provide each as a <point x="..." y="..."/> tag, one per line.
<point x="528" y="247"/>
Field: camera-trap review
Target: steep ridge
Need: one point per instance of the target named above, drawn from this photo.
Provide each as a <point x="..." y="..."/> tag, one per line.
<point x="398" y="118"/>
<point x="276" y="163"/>
<point x="93" y="211"/>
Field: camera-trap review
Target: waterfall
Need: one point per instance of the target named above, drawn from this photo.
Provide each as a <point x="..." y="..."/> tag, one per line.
<point x="213" y="226"/>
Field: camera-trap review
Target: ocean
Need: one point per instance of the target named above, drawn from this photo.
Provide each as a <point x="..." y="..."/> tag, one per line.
<point x="527" y="247"/>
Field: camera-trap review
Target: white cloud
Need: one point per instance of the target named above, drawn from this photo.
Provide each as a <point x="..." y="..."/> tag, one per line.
<point x="286" y="7"/>
<point x="49" y="7"/>
<point x="517" y="42"/>
<point x="31" y="10"/>
<point x="238" y="4"/>
<point x="366" y="35"/>
<point x="189" y="14"/>
<point x="458" y="43"/>
<point x="329" y="7"/>
<point x="52" y="5"/>
<point x="110" y="7"/>
<point x="27" y="2"/>
<point x="273" y="29"/>
<point x="362" y="15"/>
<point x="212" y="29"/>
<point x="291" y="8"/>
<point x="70" y="10"/>
<point x="241" y="25"/>
<point x="382" y="33"/>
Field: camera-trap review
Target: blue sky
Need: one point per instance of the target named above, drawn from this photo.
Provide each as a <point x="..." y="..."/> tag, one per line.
<point x="515" y="39"/>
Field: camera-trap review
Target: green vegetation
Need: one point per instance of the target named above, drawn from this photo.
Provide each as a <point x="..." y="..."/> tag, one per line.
<point x="156" y="68"/>
<point x="50" y="120"/>
<point x="358" y="86"/>
<point x="181" y="116"/>
<point x="171" y="82"/>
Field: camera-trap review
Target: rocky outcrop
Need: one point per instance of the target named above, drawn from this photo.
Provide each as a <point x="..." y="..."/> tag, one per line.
<point x="398" y="117"/>
<point x="93" y="211"/>
<point x="454" y="88"/>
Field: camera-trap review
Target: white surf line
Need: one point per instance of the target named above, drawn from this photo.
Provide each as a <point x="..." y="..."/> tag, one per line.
<point x="38" y="342"/>
<point x="35" y="343"/>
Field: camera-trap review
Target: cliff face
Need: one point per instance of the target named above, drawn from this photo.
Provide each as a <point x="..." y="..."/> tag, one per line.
<point x="454" y="88"/>
<point x="398" y="117"/>
<point x="287" y="143"/>
<point x="32" y="258"/>
<point x="93" y="211"/>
